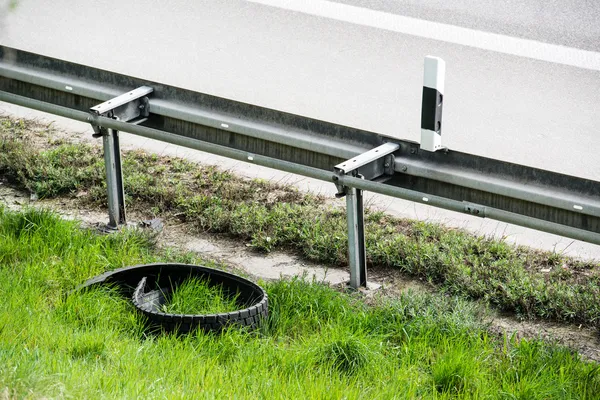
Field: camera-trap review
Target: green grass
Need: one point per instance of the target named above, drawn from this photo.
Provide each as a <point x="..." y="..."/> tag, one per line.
<point x="197" y="296"/>
<point x="269" y="216"/>
<point x="317" y="343"/>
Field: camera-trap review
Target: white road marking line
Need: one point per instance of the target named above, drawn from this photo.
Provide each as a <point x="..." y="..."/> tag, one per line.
<point x="447" y="33"/>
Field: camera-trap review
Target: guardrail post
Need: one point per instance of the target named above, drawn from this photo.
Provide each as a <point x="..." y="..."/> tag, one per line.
<point x="132" y="107"/>
<point x="114" y="178"/>
<point x="377" y="163"/>
<point x="356" y="238"/>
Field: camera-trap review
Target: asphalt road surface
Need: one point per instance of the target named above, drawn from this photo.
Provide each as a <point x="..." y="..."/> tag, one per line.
<point x="522" y="80"/>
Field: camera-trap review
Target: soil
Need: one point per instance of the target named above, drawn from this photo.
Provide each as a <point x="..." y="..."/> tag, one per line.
<point x="242" y="257"/>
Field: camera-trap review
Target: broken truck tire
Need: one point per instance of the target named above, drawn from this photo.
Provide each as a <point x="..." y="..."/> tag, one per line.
<point x="150" y="286"/>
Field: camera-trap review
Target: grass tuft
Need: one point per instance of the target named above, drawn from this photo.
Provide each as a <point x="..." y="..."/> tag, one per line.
<point x="197" y="296"/>
<point x="346" y="354"/>
<point x="457" y="371"/>
<point x="99" y="307"/>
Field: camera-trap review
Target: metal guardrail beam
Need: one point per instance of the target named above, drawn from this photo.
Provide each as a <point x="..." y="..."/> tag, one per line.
<point x="531" y="197"/>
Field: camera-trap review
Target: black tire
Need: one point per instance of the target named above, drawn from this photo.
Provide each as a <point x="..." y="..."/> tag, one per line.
<point x="150" y="285"/>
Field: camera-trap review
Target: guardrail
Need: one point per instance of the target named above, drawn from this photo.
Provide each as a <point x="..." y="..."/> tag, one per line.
<point x="352" y="159"/>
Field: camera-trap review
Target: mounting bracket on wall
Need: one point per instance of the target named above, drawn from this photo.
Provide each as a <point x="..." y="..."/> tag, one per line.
<point x="375" y="164"/>
<point x="132" y="107"/>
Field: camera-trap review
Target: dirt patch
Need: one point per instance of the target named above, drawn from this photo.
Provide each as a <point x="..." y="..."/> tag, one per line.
<point x="11" y="198"/>
<point x="242" y="256"/>
<point x="393" y="282"/>
<point x="586" y="341"/>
